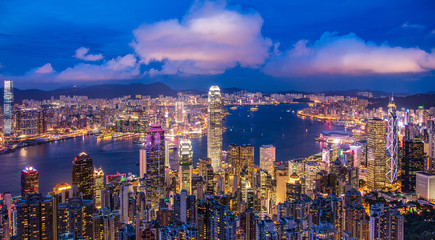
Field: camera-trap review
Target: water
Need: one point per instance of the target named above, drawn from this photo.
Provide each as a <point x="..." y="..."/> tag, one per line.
<point x="293" y="138"/>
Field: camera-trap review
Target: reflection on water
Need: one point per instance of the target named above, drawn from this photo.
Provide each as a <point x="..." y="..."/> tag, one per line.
<point x="293" y="138"/>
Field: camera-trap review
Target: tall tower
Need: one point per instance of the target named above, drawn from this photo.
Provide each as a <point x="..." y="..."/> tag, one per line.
<point x="7" y="107"/>
<point x="29" y="181"/>
<point x="214" y="128"/>
<point x="83" y="175"/>
<point x="98" y="186"/>
<point x="392" y="147"/>
<point x="267" y="158"/>
<point x="376" y="136"/>
<point x="155" y="165"/>
<point x="185" y="153"/>
<point x="179" y="111"/>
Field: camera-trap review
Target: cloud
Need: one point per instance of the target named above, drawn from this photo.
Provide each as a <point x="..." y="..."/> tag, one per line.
<point x="348" y="54"/>
<point x="208" y="40"/>
<point x="408" y="25"/>
<point x="125" y="67"/>
<point x="82" y="53"/>
<point x="46" y="69"/>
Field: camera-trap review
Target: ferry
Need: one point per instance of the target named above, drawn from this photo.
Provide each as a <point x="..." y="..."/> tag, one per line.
<point x="254" y="109"/>
<point x="233" y="108"/>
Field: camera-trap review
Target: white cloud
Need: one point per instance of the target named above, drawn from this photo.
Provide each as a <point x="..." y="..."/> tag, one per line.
<point x="408" y="25"/>
<point x="82" y="53"/>
<point x="46" y="69"/>
<point x="208" y="40"/>
<point x="125" y="67"/>
<point x="348" y="54"/>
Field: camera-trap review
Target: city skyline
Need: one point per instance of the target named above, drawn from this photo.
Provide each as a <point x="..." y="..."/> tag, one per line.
<point x="312" y="46"/>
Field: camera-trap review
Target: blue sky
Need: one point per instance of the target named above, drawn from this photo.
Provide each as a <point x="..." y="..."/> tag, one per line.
<point x="267" y="45"/>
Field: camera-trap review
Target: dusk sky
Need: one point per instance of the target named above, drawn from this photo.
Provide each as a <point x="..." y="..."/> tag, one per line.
<point x="270" y="45"/>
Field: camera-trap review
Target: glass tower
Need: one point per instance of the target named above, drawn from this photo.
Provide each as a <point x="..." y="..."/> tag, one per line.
<point x="376" y="141"/>
<point x="7" y="107"/>
<point x="83" y="175"/>
<point x="214" y="128"/>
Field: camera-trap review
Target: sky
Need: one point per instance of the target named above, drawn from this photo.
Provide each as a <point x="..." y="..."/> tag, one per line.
<point x="310" y="45"/>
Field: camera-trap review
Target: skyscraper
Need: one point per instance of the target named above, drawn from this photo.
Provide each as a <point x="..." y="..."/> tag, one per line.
<point x="267" y="158"/>
<point x="82" y="175"/>
<point x="7" y="107"/>
<point x="155" y="165"/>
<point x="214" y="128"/>
<point x="29" y="181"/>
<point x="376" y="136"/>
<point x="412" y="162"/>
<point x="179" y="111"/>
<point x="142" y="162"/>
<point x="392" y="147"/>
<point x="98" y="186"/>
<point x="185" y="153"/>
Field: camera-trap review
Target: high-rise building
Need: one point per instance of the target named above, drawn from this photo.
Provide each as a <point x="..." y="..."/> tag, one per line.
<point x="106" y="224"/>
<point x="293" y="187"/>
<point x="185" y="153"/>
<point x="214" y="128"/>
<point x="282" y="177"/>
<point x="142" y="162"/>
<point x="179" y="111"/>
<point x="83" y="175"/>
<point x="29" y="181"/>
<point x="412" y="162"/>
<point x="267" y="158"/>
<point x="241" y="157"/>
<point x="29" y="121"/>
<point x="98" y="186"/>
<point x="392" y="144"/>
<point x="425" y="186"/>
<point x="8" y="101"/>
<point x="185" y="177"/>
<point x="386" y="222"/>
<point x="155" y="165"/>
<point x="376" y="136"/>
<point x="34" y="218"/>
<point x="430" y="163"/>
<point x="75" y="216"/>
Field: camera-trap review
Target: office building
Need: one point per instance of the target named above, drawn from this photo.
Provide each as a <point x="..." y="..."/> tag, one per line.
<point x="179" y="111"/>
<point x="98" y="186"/>
<point x="29" y="181"/>
<point x="155" y="165"/>
<point x="425" y="185"/>
<point x="214" y="128"/>
<point x="412" y="162"/>
<point x="267" y="158"/>
<point x="376" y="169"/>
<point x="185" y="153"/>
<point x="83" y="175"/>
<point x="8" y="101"/>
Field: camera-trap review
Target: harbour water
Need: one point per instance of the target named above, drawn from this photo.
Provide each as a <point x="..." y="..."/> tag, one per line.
<point x="278" y="125"/>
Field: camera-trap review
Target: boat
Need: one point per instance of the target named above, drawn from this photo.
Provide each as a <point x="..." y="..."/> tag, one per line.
<point x="233" y="108"/>
<point x="254" y="109"/>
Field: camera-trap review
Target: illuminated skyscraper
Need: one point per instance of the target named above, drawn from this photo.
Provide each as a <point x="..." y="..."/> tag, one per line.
<point x="185" y="153"/>
<point x="142" y="162"/>
<point x="98" y="186"/>
<point x="376" y="136"/>
<point x="185" y="177"/>
<point x="83" y="175"/>
<point x="155" y="165"/>
<point x="7" y="107"/>
<point x="214" y="128"/>
<point x="29" y="181"/>
<point x="75" y="216"/>
<point x="179" y="111"/>
<point x="267" y="158"/>
<point x="412" y="162"/>
<point x="27" y="121"/>
<point x="392" y="147"/>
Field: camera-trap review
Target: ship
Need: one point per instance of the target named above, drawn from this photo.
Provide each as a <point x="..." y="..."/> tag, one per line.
<point x="254" y="109"/>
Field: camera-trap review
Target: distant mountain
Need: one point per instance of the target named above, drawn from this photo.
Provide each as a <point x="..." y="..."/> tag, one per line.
<point x="408" y="102"/>
<point x="98" y="91"/>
